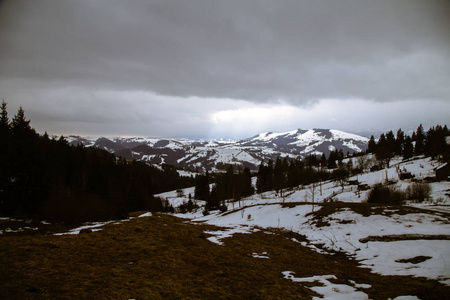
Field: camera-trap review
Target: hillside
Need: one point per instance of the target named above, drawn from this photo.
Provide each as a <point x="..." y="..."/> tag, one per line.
<point x="209" y="154"/>
<point x="263" y="246"/>
<point x="408" y="240"/>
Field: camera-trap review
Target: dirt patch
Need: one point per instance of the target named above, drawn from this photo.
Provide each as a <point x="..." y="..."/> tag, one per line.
<point x="368" y="209"/>
<point x="403" y="237"/>
<point x="414" y="260"/>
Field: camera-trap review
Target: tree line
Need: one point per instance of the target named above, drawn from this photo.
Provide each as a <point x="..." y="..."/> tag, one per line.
<point x="231" y="185"/>
<point x="431" y="144"/>
<point x="46" y="177"/>
<point x="289" y="173"/>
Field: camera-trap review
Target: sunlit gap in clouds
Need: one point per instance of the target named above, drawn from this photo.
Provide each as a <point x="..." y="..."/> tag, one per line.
<point x="352" y="115"/>
<point x="254" y="119"/>
<point x="282" y="117"/>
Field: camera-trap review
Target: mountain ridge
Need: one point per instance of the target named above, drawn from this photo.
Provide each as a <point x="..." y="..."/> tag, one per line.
<point x="213" y="153"/>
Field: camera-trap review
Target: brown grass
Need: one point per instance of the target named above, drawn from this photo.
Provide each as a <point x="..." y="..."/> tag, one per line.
<point x="367" y="209"/>
<point x="164" y="257"/>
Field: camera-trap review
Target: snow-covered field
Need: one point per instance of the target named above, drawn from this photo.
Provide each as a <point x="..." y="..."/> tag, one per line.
<point x="415" y="244"/>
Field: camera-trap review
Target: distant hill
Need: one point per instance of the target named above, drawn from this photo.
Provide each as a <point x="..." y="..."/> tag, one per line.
<point x="210" y="154"/>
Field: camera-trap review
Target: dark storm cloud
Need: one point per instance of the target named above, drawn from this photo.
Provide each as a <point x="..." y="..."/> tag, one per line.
<point x="295" y="52"/>
<point x="254" y="50"/>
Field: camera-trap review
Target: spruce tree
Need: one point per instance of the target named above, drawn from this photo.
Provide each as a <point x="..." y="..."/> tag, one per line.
<point x="390" y="141"/>
<point x="420" y="139"/>
<point x="399" y="141"/>
<point x="278" y="175"/>
<point x="384" y="152"/>
<point x="372" y="145"/>
<point x="408" y="149"/>
<point x="4" y="120"/>
<point x="246" y="182"/>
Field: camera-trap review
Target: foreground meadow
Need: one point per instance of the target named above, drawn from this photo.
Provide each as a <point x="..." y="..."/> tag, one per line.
<point x="165" y="257"/>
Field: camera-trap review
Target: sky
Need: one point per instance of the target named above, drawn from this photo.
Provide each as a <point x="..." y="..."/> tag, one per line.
<point x="225" y="69"/>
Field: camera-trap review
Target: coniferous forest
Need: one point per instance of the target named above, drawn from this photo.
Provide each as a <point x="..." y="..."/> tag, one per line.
<point x="47" y="178"/>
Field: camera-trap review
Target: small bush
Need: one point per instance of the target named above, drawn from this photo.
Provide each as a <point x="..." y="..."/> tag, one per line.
<point x="386" y="195"/>
<point x="223" y="208"/>
<point x="419" y="191"/>
<point x="187" y="206"/>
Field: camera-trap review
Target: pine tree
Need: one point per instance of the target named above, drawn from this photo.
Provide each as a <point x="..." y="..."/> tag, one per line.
<point x="384" y="152"/>
<point x="372" y="145"/>
<point x="323" y="160"/>
<point x="4" y="120"/>
<point x="246" y="182"/>
<point x="332" y="160"/>
<point x="19" y="121"/>
<point x="408" y="149"/>
<point x="260" y="178"/>
<point x="5" y="147"/>
<point x="399" y="141"/>
<point x="390" y="141"/>
<point x="420" y="138"/>
<point x="201" y="191"/>
<point x="435" y="143"/>
<point x="278" y="176"/>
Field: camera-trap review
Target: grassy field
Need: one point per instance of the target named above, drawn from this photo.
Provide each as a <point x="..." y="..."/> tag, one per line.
<point x="164" y="257"/>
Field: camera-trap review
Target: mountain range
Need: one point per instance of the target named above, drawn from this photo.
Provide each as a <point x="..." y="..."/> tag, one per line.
<point x="211" y="154"/>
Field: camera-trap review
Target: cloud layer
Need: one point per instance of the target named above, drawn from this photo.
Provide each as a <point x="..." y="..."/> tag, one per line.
<point x="172" y="68"/>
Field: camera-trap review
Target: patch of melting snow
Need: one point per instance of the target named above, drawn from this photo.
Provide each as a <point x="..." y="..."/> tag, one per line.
<point x="147" y="214"/>
<point x="96" y="225"/>
<point x="329" y="290"/>
<point x="218" y="235"/>
<point x="21" y="229"/>
<point x="360" y="285"/>
<point x="93" y="226"/>
<point x="263" y="255"/>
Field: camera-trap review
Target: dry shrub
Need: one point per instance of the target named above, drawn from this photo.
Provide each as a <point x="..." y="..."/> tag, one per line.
<point x="419" y="191"/>
<point x="386" y="195"/>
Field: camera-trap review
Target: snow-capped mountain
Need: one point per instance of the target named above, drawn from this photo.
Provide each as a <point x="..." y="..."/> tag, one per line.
<point x="209" y="154"/>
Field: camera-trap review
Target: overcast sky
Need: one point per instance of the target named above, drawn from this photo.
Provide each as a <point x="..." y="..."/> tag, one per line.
<point x="227" y="69"/>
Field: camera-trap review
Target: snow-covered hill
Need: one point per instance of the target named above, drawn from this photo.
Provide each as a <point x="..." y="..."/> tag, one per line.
<point x="386" y="239"/>
<point x="210" y="154"/>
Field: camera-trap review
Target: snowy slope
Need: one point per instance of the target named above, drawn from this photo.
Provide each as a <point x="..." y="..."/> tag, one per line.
<point x="348" y="231"/>
<point x="206" y="154"/>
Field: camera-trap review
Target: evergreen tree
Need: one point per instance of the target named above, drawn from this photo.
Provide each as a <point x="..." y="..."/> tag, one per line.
<point x="323" y="160"/>
<point x="384" y="152"/>
<point x="4" y="120"/>
<point x="20" y="125"/>
<point x="5" y="148"/>
<point x="201" y="191"/>
<point x="420" y="139"/>
<point x="260" y="178"/>
<point x="231" y="190"/>
<point x="435" y="143"/>
<point x="269" y="181"/>
<point x="332" y="160"/>
<point x="246" y="183"/>
<point x="371" y="146"/>
<point x="408" y="149"/>
<point x="399" y="141"/>
<point x="278" y="176"/>
<point x="390" y="141"/>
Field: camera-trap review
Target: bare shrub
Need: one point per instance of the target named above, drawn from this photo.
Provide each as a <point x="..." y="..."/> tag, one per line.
<point x="419" y="191"/>
<point x="386" y="195"/>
